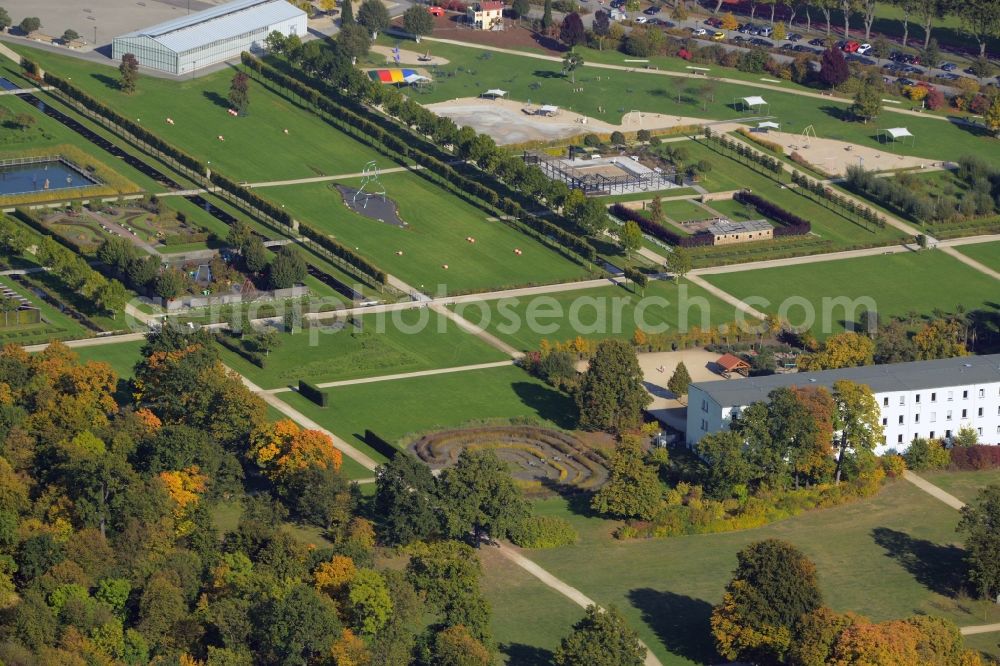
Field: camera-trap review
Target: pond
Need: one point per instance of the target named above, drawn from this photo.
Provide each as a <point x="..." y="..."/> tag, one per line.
<point x="41" y="176"/>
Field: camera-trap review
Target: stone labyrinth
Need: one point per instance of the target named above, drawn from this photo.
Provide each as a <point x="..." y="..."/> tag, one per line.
<point x="534" y="454"/>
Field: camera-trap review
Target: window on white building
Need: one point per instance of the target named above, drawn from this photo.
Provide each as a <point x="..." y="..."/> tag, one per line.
<point x="965" y="413"/>
<point x="980" y="431"/>
<point x="918" y="399"/>
<point x="931" y="436"/>
<point x="951" y="396"/>
<point x="933" y="397"/>
<point x="885" y="421"/>
<point x="916" y="418"/>
<point x="933" y="417"/>
<point x="885" y="401"/>
<point x="902" y="399"/>
<point x="980" y="411"/>
<point x="899" y="439"/>
<point x="947" y="415"/>
<point x="965" y="395"/>
<point x="900" y="419"/>
<point x="704" y="405"/>
<point x="982" y="393"/>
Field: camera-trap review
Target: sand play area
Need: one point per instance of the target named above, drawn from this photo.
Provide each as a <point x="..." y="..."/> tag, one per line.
<point x="834" y="156"/>
<point x="508" y="123"/>
<point x="407" y="57"/>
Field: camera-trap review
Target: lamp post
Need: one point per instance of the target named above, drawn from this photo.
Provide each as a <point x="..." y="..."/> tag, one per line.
<point x="95" y="36"/>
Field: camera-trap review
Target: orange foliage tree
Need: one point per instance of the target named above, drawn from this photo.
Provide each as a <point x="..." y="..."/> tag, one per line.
<point x="283" y="447"/>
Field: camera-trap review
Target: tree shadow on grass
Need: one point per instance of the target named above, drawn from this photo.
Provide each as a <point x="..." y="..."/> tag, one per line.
<point x="681" y="623"/>
<point x="548" y="403"/>
<point x="109" y="81"/>
<point x="526" y="655"/>
<point x="939" y="568"/>
<point x="216" y="99"/>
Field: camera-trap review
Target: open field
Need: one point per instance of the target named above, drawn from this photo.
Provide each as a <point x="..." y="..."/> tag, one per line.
<point x="987" y="254"/>
<point x="895" y="285"/>
<point x="394" y="409"/>
<point x="439" y="224"/>
<point x="890" y="556"/>
<point x="384" y="345"/>
<point x="122" y="356"/>
<point x="473" y="70"/>
<point x="255" y="147"/>
<point x="596" y="314"/>
<point x="964" y="485"/>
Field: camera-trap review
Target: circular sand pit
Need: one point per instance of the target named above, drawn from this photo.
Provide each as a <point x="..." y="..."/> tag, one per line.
<point x="375" y="207"/>
<point x="534" y="454"/>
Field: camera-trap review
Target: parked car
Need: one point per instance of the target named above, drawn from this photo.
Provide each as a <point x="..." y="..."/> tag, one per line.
<point x="719" y="36"/>
<point x="764" y="31"/>
<point x="867" y="61"/>
<point x="435" y="10"/>
<point x="950" y="76"/>
<point x="714" y="21"/>
<point x="747" y="28"/>
<point x="904" y="81"/>
<point x="650" y="11"/>
<point x="864" y="48"/>
<point x="948" y="66"/>
<point x="794" y="37"/>
<point x="924" y="84"/>
<point x="911" y="69"/>
<point x="642" y="19"/>
<point x="699" y="32"/>
<point x="737" y="39"/>
<point x="819" y="41"/>
<point x="757" y="41"/>
<point x="851" y="47"/>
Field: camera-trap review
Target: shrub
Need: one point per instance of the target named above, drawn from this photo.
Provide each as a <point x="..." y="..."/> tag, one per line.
<point x="926" y="454"/>
<point x="980" y="456"/>
<point x="893" y="464"/>
<point x="543" y="532"/>
<point x="313" y="392"/>
<point x="758" y="139"/>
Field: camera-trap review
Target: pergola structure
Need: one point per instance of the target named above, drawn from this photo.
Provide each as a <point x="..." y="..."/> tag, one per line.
<point x="894" y="134"/>
<point x="730" y="363"/>
<point x="494" y="93"/>
<point x="752" y="102"/>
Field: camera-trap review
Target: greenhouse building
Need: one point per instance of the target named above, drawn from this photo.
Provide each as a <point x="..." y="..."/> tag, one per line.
<point x="212" y="36"/>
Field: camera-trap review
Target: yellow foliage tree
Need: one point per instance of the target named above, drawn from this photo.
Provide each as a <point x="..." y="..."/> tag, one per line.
<point x="729" y="21"/>
<point x="844" y="350"/>
<point x="185" y="488"/>
<point x="940" y="339"/>
<point x="332" y="577"/>
<point x="283" y="447"/>
<point x="350" y="650"/>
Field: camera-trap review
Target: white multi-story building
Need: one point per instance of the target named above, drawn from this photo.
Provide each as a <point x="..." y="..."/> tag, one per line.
<point x="931" y="399"/>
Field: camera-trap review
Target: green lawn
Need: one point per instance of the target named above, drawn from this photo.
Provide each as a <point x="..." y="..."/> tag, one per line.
<point x="987" y="254"/>
<point x="596" y="314"/>
<point x="388" y="343"/>
<point x="684" y="210"/>
<point x="473" y="70"/>
<point x="122" y="356"/>
<point x="895" y="285"/>
<point x="255" y="146"/>
<point x="54" y="325"/>
<point x="963" y="485"/>
<point x="529" y="619"/>
<point x="439" y="224"/>
<point x="395" y="408"/>
<point x="891" y="556"/>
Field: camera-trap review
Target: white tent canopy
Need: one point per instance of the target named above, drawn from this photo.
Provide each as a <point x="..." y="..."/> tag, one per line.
<point x="895" y="134"/>
<point x="494" y="92"/>
<point x="415" y="78"/>
<point x="767" y="124"/>
<point x="548" y="110"/>
<point x="754" y="100"/>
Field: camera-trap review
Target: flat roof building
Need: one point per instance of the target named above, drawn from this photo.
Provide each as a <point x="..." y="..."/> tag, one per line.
<point x="212" y="36"/>
<point x="931" y="399"/>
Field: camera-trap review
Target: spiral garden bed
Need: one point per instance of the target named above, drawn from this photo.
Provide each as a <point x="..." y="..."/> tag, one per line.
<point x="536" y="455"/>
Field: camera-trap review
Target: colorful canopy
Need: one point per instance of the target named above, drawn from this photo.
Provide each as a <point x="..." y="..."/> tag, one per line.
<point x="392" y="75"/>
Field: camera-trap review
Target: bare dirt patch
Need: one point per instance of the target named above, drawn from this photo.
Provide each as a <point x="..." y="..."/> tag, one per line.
<point x="833" y="156"/>
<point x="452" y="26"/>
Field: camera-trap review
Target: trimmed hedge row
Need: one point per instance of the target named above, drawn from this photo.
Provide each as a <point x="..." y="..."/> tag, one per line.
<point x="380" y="445"/>
<point x="636" y="276"/>
<point x="980" y="456"/>
<point x="236" y="346"/>
<point x="251" y="199"/>
<point x="791" y="224"/>
<point x="343" y="252"/>
<point x="657" y="230"/>
<point x="373" y="133"/>
<point x="136" y="130"/>
<point x="313" y="392"/>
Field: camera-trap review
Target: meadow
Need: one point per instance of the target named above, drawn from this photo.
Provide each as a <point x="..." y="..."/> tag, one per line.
<point x="122" y="356"/>
<point x="396" y="408"/>
<point x="890" y="556"/>
<point x="963" y="485"/>
<point x="987" y="254"/>
<point x="256" y="147"/>
<point x="896" y="285"/>
<point x="596" y="314"/>
<point x="436" y="236"/>
<point x="381" y="344"/>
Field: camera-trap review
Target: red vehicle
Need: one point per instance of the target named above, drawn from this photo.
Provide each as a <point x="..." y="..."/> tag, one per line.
<point x="435" y="10"/>
<point x="715" y="22"/>
<point x="851" y="47"/>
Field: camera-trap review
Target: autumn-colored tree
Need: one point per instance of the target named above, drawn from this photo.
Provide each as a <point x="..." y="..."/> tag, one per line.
<point x="844" y="350"/>
<point x="858" y="419"/>
<point x="283" y="447"/>
<point x="939" y="339"/>
<point x="350" y="650"/>
<point x="774" y="585"/>
<point x="812" y="455"/>
<point x="332" y="577"/>
<point x="454" y="646"/>
<point x="729" y="21"/>
<point x="815" y="634"/>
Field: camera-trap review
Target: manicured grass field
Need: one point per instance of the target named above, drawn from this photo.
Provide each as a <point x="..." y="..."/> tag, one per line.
<point x="388" y="343"/>
<point x="987" y="254"/>
<point x="255" y="146"/>
<point x="528" y="618"/>
<point x="896" y="284"/>
<point x="684" y="210"/>
<point x="54" y="324"/>
<point x="964" y="485"/>
<point x="473" y="70"/>
<point x="596" y="314"/>
<point x="122" y="356"/>
<point x="891" y="556"/>
<point x="394" y="408"/>
<point x="439" y="224"/>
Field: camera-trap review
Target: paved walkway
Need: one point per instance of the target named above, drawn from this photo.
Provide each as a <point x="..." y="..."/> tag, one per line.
<point x="92" y="342"/>
<point x="969" y="261"/>
<point x="933" y="490"/>
<point x="358" y="456"/>
<point x="477" y="331"/>
<point x="726" y="296"/>
<point x="980" y="629"/>
<point x="571" y="593"/>
<point x="404" y="375"/>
